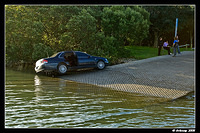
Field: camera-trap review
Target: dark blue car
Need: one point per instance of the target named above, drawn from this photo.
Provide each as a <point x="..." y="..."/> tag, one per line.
<point x="64" y="61"/>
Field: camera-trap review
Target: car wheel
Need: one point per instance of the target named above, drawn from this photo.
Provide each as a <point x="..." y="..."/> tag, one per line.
<point x="62" y="68"/>
<point x="100" y="65"/>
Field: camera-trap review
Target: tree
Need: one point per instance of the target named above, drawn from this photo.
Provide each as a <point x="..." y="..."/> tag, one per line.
<point x="125" y="24"/>
<point x="163" y="23"/>
<point x="54" y="20"/>
<point x="21" y="33"/>
<point x="83" y="34"/>
<point x="41" y="51"/>
<point x="80" y="28"/>
<point x="186" y="23"/>
<point x="27" y="26"/>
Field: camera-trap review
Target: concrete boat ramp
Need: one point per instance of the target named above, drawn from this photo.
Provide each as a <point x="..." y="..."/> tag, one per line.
<point x="162" y="76"/>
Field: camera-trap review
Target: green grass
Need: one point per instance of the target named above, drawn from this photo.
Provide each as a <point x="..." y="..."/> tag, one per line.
<point x="143" y="52"/>
<point x="188" y="49"/>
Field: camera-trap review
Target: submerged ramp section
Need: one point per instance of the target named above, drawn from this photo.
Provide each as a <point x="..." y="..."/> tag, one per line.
<point x="150" y="90"/>
<point x="163" y="76"/>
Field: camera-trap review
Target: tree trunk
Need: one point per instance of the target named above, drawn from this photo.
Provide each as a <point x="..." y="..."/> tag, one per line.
<point x="149" y="44"/>
<point x="155" y="39"/>
<point x="140" y="42"/>
<point x="191" y="39"/>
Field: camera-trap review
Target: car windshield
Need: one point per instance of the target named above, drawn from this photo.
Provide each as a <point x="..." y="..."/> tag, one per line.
<point x="54" y="54"/>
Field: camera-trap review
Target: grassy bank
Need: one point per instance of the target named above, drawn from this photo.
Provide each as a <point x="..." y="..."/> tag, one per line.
<point x="143" y="52"/>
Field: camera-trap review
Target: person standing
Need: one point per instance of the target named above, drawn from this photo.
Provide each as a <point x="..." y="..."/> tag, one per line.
<point x="175" y="46"/>
<point x="160" y="44"/>
<point x="166" y="47"/>
<point x="178" y="45"/>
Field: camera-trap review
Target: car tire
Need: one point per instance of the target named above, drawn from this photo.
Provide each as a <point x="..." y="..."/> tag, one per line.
<point x="62" y="68"/>
<point x="101" y="65"/>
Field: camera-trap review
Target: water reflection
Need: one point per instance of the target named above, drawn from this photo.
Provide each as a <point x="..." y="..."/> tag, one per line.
<point x="38" y="88"/>
<point x="37" y="80"/>
<point x="41" y="84"/>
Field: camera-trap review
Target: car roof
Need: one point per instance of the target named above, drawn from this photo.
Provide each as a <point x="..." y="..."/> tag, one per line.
<point x="73" y="51"/>
<point x="69" y="51"/>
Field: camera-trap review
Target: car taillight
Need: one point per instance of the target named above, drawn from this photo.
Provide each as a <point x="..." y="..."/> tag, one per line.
<point x="44" y="61"/>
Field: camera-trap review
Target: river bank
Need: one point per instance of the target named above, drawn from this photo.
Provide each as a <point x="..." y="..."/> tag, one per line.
<point x="24" y="66"/>
<point x="20" y="66"/>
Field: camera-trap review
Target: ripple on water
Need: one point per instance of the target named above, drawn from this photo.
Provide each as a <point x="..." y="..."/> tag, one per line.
<point x="45" y="102"/>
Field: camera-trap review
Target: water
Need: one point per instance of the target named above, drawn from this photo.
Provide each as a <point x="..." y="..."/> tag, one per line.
<point x="38" y="101"/>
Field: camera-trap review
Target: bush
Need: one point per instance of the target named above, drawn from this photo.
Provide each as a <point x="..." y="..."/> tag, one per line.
<point x="41" y="51"/>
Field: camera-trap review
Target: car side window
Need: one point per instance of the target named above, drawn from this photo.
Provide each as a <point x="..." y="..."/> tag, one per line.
<point x="81" y="55"/>
<point x="62" y="55"/>
<point x="65" y="54"/>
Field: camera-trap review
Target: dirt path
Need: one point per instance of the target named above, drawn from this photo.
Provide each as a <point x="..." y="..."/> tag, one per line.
<point x="162" y="76"/>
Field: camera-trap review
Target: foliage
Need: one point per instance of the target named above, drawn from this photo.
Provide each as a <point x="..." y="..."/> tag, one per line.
<point x="21" y="32"/>
<point x="34" y="32"/>
<point x="80" y="28"/>
<point x="125" y="24"/>
<point x="163" y="21"/>
<point x="41" y="51"/>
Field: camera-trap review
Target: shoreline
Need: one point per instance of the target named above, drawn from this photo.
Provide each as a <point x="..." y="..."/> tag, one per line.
<point x="27" y="66"/>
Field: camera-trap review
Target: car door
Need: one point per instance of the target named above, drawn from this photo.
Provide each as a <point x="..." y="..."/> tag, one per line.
<point x="64" y="57"/>
<point x="85" y="60"/>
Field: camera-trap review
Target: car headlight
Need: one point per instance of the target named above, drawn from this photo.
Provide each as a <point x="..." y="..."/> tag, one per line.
<point x="106" y="61"/>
